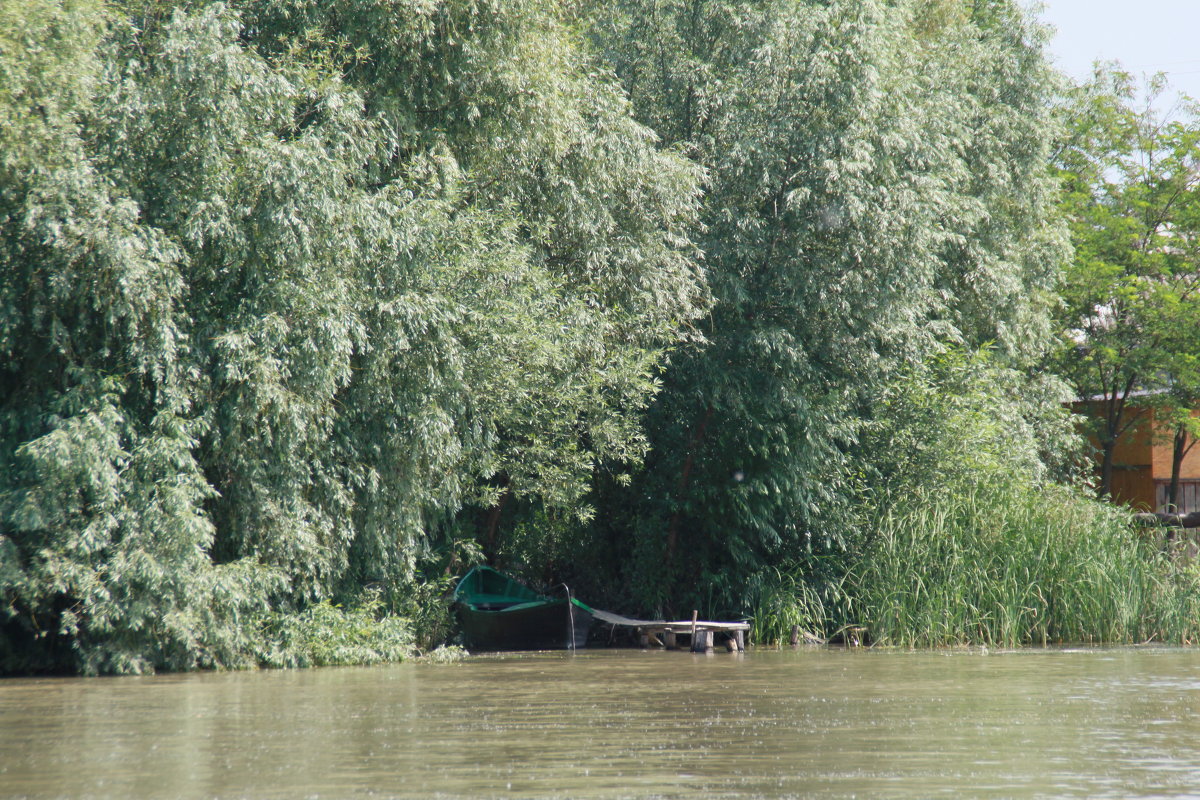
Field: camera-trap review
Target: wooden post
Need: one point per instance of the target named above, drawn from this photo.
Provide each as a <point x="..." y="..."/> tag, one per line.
<point x="795" y="640"/>
<point x="643" y="639"/>
<point x="741" y="641"/>
<point x="695" y="614"/>
<point x="670" y="640"/>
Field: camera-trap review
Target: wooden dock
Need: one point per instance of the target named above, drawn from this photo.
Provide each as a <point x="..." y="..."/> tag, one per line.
<point x="700" y="634"/>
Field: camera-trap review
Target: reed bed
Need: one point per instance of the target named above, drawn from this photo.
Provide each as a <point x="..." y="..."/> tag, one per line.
<point x="1010" y="565"/>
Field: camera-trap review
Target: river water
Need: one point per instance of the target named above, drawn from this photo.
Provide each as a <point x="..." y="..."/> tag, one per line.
<point x="1120" y="723"/>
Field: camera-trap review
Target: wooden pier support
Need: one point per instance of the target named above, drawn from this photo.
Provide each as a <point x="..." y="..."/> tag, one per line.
<point x="663" y="633"/>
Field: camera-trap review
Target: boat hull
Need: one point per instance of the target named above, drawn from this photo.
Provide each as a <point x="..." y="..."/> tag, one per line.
<point x="554" y="624"/>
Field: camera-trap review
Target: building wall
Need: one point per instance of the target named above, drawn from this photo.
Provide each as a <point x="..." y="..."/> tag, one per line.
<point x="1142" y="465"/>
<point x="1190" y="469"/>
<point x="1133" y="460"/>
<point x="1136" y="447"/>
<point x="1135" y="487"/>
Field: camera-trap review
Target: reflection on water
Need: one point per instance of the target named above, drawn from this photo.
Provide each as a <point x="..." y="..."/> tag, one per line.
<point x="612" y="724"/>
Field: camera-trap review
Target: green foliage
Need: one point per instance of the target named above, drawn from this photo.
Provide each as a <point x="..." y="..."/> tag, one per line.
<point x="780" y="600"/>
<point x="425" y="606"/>
<point x="560" y="341"/>
<point x="1131" y="296"/>
<point x="101" y="498"/>
<point x="961" y="418"/>
<point x="959" y="521"/>
<point x="876" y="190"/>
<point x="328" y="635"/>
<point x="966" y="540"/>
<point x="306" y="305"/>
<point x="278" y="300"/>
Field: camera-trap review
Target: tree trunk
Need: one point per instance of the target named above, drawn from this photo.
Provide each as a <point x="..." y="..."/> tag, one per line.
<point x="1183" y="444"/>
<point x="1177" y="454"/>
<point x="1106" y="469"/>
<point x="681" y="489"/>
<point x="493" y="526"/>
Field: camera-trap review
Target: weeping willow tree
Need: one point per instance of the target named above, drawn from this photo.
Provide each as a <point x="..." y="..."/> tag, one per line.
<point x="104" y="536"/>
<point x="877" y="193"/>
<point x="286" y="286"/>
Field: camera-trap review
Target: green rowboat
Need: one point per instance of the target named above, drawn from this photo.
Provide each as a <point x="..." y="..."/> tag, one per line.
<point x="497" y="613"/>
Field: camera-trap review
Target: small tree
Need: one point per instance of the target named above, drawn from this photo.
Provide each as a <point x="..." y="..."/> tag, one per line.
<point x="1130" y="183"/>
<point x="1179" y="323"/>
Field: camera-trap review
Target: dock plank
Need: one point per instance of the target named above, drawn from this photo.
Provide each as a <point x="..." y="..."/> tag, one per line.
<point x="667" y="626"/>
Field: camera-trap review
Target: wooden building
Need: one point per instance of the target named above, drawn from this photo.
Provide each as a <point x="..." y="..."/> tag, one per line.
<point x="1141" y="474"/>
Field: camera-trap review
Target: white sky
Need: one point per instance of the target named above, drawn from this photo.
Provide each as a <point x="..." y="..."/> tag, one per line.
<point x="1146" y="36"/>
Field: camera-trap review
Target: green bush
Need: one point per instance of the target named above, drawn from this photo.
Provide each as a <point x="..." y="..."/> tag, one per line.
<point x="329" y="635"/>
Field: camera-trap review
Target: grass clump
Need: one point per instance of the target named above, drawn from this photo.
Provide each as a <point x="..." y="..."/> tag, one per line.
<point x="783" y="599"/>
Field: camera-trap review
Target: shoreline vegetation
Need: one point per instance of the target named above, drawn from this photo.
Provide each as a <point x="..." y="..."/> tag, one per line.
<point x="759" y="308"/>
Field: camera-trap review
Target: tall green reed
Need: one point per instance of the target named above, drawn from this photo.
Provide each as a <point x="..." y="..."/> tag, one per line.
<point x="782" y="599"/>
<point x="1008" y="564"/>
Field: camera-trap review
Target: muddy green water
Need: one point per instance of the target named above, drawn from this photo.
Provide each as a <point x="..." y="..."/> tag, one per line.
<point x="610" y="724"/>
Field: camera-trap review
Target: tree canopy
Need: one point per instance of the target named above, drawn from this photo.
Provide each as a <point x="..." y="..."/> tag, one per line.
<point x="877" y="193"/>
<point x="285" y="286"/>
<point x="1131" y="295"/>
